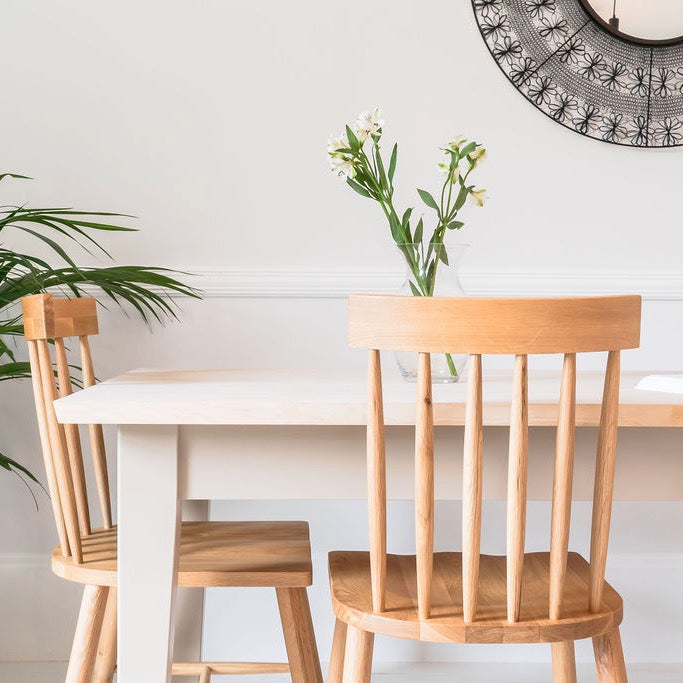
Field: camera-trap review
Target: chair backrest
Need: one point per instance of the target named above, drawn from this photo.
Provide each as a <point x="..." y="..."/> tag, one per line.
<point x="46" y="320"/>
<point x="494" y="326"/>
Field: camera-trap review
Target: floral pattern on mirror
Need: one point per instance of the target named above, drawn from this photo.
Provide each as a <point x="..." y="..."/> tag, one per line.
<point x="582" y="76"/>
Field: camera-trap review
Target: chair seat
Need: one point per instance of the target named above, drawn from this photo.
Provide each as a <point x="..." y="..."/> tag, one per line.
<point x="352" y="601"/>
<point x="224" y="554"/>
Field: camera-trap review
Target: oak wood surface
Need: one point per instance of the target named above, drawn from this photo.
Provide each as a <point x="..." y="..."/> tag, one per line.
<point x="352" y="602"/>
<point x="211" y="554"/>
<point x="564" y="662"/>
<point x="494" y="326"/>
<point x="472" y="491"/>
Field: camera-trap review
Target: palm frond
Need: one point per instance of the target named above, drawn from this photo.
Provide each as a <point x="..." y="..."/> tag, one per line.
<point x="150" y="291"/>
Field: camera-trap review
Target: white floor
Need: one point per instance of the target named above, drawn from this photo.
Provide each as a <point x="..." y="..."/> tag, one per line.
<point x="53" y="672"/>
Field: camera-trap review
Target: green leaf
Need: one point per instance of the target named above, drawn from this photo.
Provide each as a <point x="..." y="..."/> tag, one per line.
<point x="468" y="149"/>
<point x="396" y="232"/>
<point x="415" y="290"/>
<point x="462" y="196"/>
<point x="428" y="199"/>
<point x="392" y="163"/>
<point x="443" y="256"/>
<point x="358" y="188"/>
<point x="354" y="143"/>
<point x="380" y="167"/>
<point x="455" y="225"/>
<point x="14" y="175"/>
<point x="417" y="238"/>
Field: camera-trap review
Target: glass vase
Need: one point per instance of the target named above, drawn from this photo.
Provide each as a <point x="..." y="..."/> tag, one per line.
<point x="443" y="281"/>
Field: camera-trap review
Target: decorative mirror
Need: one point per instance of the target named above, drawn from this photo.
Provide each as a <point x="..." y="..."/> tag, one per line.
<point x="608" y="69"/>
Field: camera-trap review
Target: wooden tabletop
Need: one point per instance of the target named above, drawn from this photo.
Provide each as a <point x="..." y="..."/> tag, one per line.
<point x="324" y="397"/>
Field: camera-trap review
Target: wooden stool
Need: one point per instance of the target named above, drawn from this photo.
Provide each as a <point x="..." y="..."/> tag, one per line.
<point x="212" y="554"/>
<point x="554" y="597"/>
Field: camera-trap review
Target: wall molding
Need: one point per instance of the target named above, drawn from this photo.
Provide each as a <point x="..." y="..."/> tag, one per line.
<point x="304" y="283"/>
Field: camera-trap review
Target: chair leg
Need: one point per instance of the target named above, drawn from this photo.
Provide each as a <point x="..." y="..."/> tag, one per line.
<point x="336" y="670"/>
<point x="297" y="627"/>
<point x="105" y="663"/>
<point x="86" y="638"/>
<point x="564" y="662"/>
<point x="358" y="656"/>
<point x="609" y="658"/>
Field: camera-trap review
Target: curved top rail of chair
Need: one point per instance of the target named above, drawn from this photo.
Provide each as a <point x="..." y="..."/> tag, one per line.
<point x="494" y="326"/>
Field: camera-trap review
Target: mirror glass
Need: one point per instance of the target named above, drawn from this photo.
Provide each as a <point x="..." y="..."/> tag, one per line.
<point x="642" y="19"/>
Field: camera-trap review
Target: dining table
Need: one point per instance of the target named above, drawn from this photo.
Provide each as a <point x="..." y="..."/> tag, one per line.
<point x="250" y="434"/>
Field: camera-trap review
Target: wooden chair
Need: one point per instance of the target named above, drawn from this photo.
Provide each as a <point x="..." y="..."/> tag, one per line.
<point x="555" y="597"/>
<point x="243" y="554"/>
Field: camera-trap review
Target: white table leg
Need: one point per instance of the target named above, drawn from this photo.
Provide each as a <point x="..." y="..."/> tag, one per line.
<point x="149" y="525"/>
<point x="189" y="621"/>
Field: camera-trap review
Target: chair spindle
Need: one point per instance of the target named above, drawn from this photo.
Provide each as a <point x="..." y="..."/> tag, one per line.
<point x="424" y="485"/>
<point x="43" y="431"/>
<point x="377" y="483"/>
<point x="472" y="490"/>
<point x="59" y="449"/>
<point x="517" y="487"/>
<point x="99" y="457"/>
<point x="73" y="440"/>
<point x="604" y="479"/>
<point x="562" y="485"/>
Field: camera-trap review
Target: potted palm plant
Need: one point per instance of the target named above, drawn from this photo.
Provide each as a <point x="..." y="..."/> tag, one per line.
<point x="145" y="288"/>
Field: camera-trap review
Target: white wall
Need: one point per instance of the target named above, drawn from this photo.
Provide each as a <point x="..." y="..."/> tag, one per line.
<point x="209" y="120"/>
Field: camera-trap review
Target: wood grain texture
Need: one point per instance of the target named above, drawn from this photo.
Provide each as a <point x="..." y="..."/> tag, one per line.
<point x="377" y="481"/>
<point x="562" y="484"/>
<point x="227" y="554"/>
<point x="609" y="657"/>
<point x="564" y="662"/>
<point x="297" y="627"/>
<point x="335" y="672"/>
<point x="60" y="457"/>
<point x="472" y="490"/>
<point x="358" y="656"/>
<point x="73" y="441"/>
<point x="604" y="478"/>
<point x="424" y="484"/>
<point x="518" y="460"/>
<point x="105" y="662"/>
<point x="86" y="637"/>
<point x="352" y="600"/>
<point x="229" y="668"/>
<point x="97" y="451"/>
<point x="51" y="476"/>
<point x="493" y="326"/>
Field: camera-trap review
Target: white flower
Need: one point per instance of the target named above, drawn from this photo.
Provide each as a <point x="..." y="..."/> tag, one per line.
<point x="478" y="197"/>
<point x="478" y="156"/>
<point x="335" y="143"/>
<point x="342" y="166"/>
<point x="369" y="123"/>
<point x="457" y="142"/>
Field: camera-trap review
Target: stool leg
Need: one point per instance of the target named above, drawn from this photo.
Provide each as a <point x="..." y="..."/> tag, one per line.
<point x="564" y="662"/>
<point x="105" y="663"/>
<point x="358" y="656"/>
<point x="297" y="626"/>
<point x="86" y="638"/>
<point x="609" y="658"/>
<point x="336" y="670"/>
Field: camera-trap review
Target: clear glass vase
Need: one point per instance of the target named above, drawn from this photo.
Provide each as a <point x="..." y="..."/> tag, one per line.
<point x="443" y="280"/>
